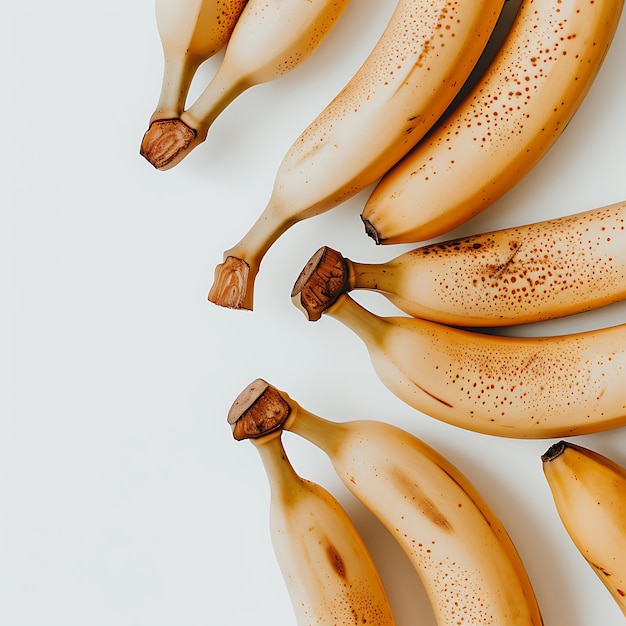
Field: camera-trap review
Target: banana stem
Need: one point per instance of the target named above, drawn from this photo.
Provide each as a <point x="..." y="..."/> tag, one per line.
<point x="323" y="433"/>
<point x="370" y="328"/>
<point x="261" y="412"/>
<point x="168" y="141"/>
<point x="219" y="93"/>
<point x="283" y="479"/>
<point x="178" y="73"/>
<point x="372" y="276"/>
<point x="233" y="284"/>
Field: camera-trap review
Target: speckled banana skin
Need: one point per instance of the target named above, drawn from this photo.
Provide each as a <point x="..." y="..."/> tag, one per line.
<point x="515" y="275"/>
<point x="329" y="573"/>
<point x="513" y="115"/>
<point x="528" y="387"/>
<point x="413" y="73"/>
<point x="589" y="492"/>
<point x="470" y="568"/>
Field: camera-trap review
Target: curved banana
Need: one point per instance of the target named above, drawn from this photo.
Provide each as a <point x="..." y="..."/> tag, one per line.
<point x="508" y="121"/>
<point x="269" y="40"/>
<point x="523" y="387"/>
<point x="515" y="275"/>
<point x="470" y="568"/>
<point x="329" y="573"/>
<point x="417" y="67"/>
<point x="191" y="32"/>
<point x="589" y="492"/>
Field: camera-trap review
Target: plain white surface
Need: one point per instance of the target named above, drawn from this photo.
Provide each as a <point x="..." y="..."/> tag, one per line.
<point x="124" y="498"/>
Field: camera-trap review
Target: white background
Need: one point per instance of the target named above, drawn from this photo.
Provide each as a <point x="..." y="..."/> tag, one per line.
<point x="124" y="498"/>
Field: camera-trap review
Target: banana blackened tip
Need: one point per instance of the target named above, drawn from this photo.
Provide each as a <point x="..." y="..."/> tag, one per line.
<point x="554" y="451"/>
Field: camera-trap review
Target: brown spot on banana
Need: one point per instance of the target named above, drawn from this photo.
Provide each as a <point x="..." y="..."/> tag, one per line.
<point x="600" y="569"/>
<point x="337" y="563"/>
<point x="428" y="393"/>
<point x="422" y="502"/>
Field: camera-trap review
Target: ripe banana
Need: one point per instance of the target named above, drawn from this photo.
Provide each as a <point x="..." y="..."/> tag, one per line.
<point x="523" y="387"/>
<point x="470" y="568"/>
<point x="191" y="32"/>
<point x="417" y="67"/>
<point x="511" y="276"/>
<point x="508" y="121"/>
<point x="269" y="40"/>
<point x="329" y="573"/>
<point x="589" y="492"/>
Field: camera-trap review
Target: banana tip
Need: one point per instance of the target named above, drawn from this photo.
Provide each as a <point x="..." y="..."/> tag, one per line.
<point x="554" y="451"/>
<point x="371" y="231"/>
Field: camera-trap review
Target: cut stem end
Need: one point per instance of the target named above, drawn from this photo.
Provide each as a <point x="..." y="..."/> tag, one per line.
<point x="231" y="285"/>
<point x="257" y="411"/>
<point x="167" y="142"/>
<point x="323" y="279"/>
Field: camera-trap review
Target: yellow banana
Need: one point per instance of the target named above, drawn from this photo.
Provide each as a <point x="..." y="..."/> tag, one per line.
<point x="515" y="275"/>
<point x="523" y="387"/>
<point x="191" y="32"/>
<point x="414" y="71"/>
<point x="470" y="568"/>
<point x="329" y="573"/>
<point x="589" y="492"/>
<point x="513" y="115"/>
<point x="269" y="40"/>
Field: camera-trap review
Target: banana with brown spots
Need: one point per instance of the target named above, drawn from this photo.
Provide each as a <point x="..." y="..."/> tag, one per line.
<point x="589" y="492"/>
<point x="268" y="40"/>
<point x="329" y="573"/>
<point x="515" y="275"/>
<point x="468" y="563"/>
<point x="505" y="125"/>
<point x="415" y="70"/>
<point x="523" y="387"/>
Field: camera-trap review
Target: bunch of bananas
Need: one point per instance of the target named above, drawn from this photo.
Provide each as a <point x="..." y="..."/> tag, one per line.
<point x="437" y="156"/>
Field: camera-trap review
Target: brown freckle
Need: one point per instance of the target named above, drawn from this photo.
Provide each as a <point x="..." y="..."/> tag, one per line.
<point x="336" y="561"/>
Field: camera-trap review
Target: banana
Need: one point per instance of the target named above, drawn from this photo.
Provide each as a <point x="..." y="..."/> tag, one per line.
<point x="513" y="115"/>
<point x="522" y="387"/>
<point x="470" y="568"/>
<point x="191" y="32"/>
<point x="269" y="40"/>
<point x="329" y="573"/>
<point x="515" y="275"/>
<point x="589" y="492"/>
<point x="417" y="67"/>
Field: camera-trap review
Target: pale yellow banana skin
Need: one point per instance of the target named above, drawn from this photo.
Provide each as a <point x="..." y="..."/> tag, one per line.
<point x="513" y="115"/>
<point x="413" y="73"/>
<point x="517" y="275"/>
<point x="589" y="492"/>
<point x="191" y="31"/>
<point x="528" y="387"/>
<point x="467" y="562"/>
<point x="329" y="573"/>
<point x="268" y="40"/>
